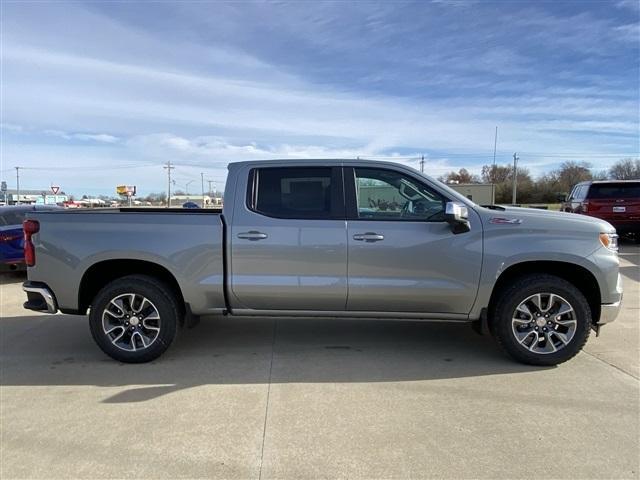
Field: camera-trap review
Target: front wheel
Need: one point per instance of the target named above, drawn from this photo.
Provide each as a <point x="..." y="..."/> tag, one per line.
<point x="134" y="319"/>
<point x="541" y="320"/>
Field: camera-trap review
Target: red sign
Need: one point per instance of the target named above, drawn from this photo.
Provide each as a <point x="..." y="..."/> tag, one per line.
<point x="55" y="190"/>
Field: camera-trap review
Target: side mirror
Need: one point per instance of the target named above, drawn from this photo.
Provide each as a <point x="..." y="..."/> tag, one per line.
<point x="457" y="216"/>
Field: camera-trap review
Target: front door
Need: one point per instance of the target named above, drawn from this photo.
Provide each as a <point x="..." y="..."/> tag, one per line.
<point x="403" y="256"/>
<point x="288" y="240"/>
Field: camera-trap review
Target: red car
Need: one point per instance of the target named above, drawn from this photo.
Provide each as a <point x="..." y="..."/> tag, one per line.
<point x="616" y="201"/>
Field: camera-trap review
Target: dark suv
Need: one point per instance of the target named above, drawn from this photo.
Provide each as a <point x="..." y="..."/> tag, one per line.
<point x="616" y="201"/>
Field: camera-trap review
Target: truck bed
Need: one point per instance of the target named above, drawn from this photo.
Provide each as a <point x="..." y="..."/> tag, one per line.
<point x="188" y="243"/>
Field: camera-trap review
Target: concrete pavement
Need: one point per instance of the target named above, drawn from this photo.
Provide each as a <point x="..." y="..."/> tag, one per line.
<point x="316" y="398"/>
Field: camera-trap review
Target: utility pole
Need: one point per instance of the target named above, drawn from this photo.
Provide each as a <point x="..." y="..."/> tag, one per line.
<point x="515" y="178"/>
<point x="495" y="144"/>
<point x="422" y="164"/>
<point x="202" y="185"/>
<point x="210" y="182"/>
<point x="186" y="187"/>
<point x="168" y="168"/>
<point x="18" y="184"/>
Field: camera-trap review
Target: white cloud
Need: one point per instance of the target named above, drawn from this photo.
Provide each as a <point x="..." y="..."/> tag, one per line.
<point x="120" y="90"/>
<point x="94" y="137"/>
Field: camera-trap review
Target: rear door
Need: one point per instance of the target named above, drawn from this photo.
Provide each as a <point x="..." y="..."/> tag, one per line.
<point x="403" y="256"/>
<point x="288" y="240"/>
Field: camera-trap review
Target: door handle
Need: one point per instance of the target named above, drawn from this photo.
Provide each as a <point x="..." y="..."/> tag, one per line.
<point x="252" y="235"/>
<point x="368" y="237"/>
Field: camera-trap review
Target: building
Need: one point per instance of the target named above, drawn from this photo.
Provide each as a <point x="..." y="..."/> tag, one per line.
<point x="32" y="197"/>
<point x="480" y="193"/>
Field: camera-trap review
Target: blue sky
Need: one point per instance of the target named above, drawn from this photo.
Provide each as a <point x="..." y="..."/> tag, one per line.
<point x="100" y="93"/>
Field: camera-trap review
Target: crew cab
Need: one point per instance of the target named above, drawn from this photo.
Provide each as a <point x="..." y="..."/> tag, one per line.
<point x="328" y="238"/>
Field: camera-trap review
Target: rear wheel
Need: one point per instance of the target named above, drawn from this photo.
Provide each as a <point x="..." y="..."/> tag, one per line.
<point x="541" y="320"/>
<point x="134" y="319"/>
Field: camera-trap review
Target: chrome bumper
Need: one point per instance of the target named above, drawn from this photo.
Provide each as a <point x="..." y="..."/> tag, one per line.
<point x="609" y="311"/>
<point x="46" y="302"/>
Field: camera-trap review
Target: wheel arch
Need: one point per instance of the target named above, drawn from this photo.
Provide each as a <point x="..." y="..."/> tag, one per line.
<point x="101" y="273"/>
<point x="577" y="275"/>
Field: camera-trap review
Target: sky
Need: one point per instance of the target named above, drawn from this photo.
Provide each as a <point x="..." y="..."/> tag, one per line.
<point x="96" y="94"/>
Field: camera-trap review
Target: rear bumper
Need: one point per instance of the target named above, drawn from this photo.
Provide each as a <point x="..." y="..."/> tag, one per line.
<point x="39" y="297"/>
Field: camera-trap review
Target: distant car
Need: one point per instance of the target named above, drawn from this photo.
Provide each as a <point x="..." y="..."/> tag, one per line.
<point x="615" y="201"/>
<point x="190" y="205"/>
<point x="11" y="236"/>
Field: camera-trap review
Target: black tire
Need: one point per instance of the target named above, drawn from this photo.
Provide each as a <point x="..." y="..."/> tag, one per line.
<point x="158" y="296"/>
<point x="505" y="309"/>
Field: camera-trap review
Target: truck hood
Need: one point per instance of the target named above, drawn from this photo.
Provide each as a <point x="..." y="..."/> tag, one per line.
<point x="552" y="220"/>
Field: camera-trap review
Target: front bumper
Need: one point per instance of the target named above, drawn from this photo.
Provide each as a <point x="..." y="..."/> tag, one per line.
<point x="609" y="311"/>
<point x="39" y="297"/>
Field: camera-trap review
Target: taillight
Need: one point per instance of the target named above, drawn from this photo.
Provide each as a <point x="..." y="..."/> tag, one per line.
<point x="30" y="227"/>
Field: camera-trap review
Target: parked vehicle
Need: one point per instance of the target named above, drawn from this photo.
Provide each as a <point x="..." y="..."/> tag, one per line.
<point x="616" y="201"/>
<point x="356" y="239"/>
<point x="11" y="235"/>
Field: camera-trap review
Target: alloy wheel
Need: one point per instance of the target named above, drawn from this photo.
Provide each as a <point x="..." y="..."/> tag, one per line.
<point x="544" y="323"/>
<point x="131" y="322"/>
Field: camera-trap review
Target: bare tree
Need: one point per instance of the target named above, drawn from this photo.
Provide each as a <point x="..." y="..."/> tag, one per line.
<point x="572" y="172"/>
<point x="626" y="169"/>
<point x="461" y="176"/>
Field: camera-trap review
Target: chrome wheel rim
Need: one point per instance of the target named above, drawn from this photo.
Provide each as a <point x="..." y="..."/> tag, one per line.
<point x="131" y="322"/>
<point x="544" y="323"/>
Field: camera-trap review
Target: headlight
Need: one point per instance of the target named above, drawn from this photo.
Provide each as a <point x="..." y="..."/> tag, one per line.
<point x="610" y="241"/>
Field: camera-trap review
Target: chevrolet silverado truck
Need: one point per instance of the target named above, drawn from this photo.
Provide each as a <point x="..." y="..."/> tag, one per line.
<point x="328" y="238"/>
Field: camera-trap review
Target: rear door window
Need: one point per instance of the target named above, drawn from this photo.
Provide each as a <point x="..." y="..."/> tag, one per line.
<point x="614" y="190"/>
<point x="298" y="192"/>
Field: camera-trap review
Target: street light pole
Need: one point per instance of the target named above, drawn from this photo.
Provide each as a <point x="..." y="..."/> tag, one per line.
<point x="186" y="187"/>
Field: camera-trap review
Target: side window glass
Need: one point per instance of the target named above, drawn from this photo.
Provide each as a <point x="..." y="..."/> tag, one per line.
<point x="389" y="195"/>
<point x="292" y="192"/>
<point x="581" y="192"/>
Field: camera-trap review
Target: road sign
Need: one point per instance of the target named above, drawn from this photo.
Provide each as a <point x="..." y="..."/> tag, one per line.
<point x="3" y="186"/>
<point x="55" y="189"/>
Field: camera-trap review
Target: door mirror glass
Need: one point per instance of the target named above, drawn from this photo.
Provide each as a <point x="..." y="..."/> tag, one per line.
<point x="457" y="216"/>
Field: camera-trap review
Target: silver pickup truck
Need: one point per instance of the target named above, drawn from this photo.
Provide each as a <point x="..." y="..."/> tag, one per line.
<point x="328" y="238"/>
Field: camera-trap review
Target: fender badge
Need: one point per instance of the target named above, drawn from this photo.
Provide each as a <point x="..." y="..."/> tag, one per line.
<point x="505" y="221"/>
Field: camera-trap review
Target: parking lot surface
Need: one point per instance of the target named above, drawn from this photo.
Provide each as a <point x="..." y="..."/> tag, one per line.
<point x="316" y="398"/>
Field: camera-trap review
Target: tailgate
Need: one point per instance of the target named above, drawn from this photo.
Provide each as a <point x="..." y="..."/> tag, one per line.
<point x="615" y="202"/>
